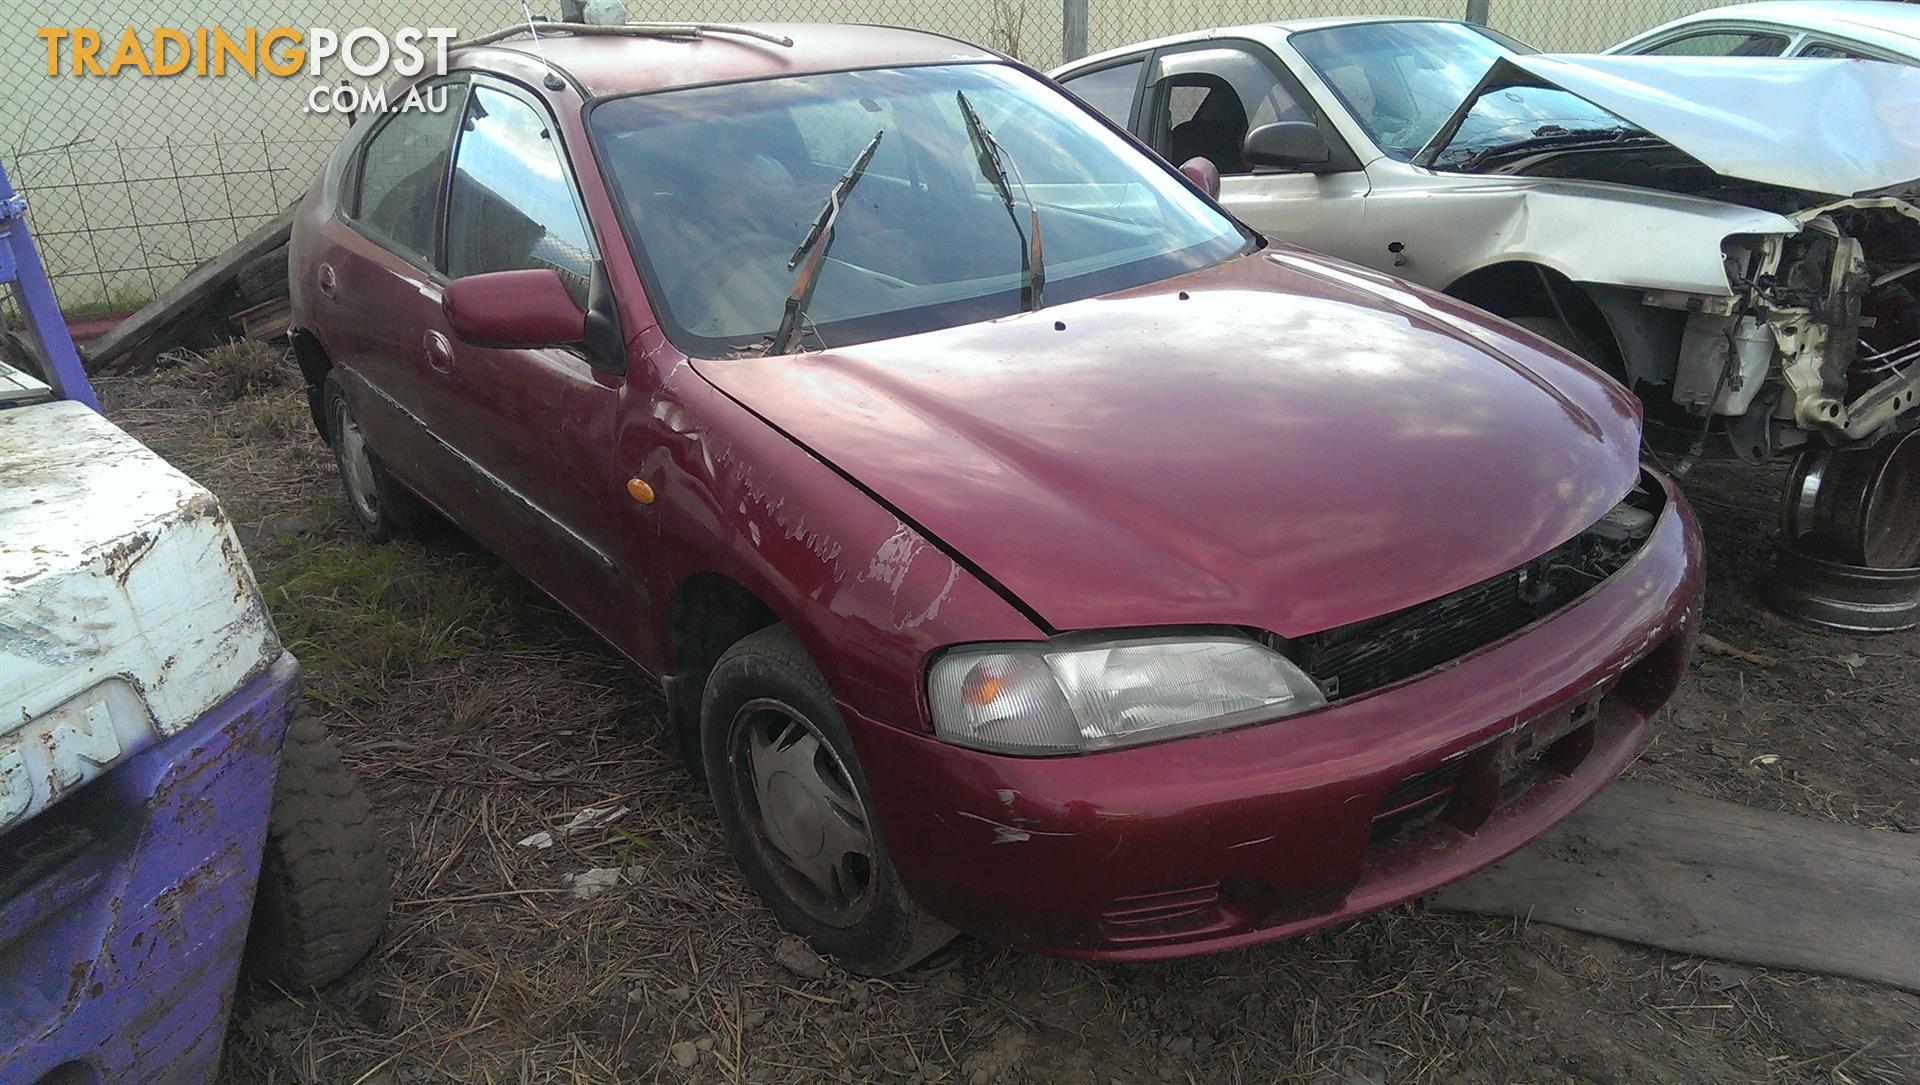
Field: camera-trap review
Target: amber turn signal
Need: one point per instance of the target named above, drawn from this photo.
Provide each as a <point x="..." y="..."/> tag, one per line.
<point x="640" y="491"/>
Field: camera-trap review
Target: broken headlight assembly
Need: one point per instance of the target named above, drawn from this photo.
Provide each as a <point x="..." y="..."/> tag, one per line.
<point x="1076" y="694"/>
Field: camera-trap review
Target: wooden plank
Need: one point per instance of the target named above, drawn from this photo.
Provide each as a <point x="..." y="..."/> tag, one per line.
<point x="190" y="295"/>
<point x="1646" y="863"/>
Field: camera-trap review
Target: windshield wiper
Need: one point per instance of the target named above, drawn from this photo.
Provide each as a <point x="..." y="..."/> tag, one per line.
<point x="1473" y="160"/>
<point x="819" y="238"/>
<point x="994" y="164"/>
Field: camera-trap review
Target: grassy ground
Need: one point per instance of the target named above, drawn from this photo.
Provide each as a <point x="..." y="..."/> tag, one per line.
<point x="479" y="714"/>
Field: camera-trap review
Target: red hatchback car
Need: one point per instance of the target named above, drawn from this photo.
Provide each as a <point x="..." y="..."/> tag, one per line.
<point x="1025" y="546"/>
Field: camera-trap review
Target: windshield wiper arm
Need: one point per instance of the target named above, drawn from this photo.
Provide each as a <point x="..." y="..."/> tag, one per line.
<point x="1568" y="140"/>
<point x="994" y="164"/>
<point x="819" y="238"/>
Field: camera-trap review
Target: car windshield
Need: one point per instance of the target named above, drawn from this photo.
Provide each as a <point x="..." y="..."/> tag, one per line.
<point x="1402" y="80"/>
<point x="719" y="184"/>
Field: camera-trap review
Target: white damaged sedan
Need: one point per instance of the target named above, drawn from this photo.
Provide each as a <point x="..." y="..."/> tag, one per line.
<point x="1736" y="239"/>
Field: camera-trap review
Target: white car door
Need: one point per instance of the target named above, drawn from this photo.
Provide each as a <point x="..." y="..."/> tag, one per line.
<point x="1202" y="99"/>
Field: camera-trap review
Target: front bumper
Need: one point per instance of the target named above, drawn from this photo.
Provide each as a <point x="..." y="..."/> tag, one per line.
<point x="1223" y="840"/>
<point x="124" y="907"/>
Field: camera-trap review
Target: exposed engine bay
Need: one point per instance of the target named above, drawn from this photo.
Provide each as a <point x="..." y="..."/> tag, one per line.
<point x="1821" y="337"/>
<point x="1813" y="339"/>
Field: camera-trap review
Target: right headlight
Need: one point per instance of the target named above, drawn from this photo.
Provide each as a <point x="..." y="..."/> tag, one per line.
<point x="1069" y="697"/>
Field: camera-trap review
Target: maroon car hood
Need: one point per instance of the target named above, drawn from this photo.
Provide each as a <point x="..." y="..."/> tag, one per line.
<point x="1282" y="441"/>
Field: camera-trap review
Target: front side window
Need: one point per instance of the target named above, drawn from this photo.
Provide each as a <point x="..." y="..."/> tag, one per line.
<point x="402" y="167"/>
<point x="1211" y="98"/>
<point x="510" y="206"/>
<point x="719" y="184"/>
<point x="1400" y="81"/>
<point x="1721" y="43"/>
<point x="1109" y="90"/>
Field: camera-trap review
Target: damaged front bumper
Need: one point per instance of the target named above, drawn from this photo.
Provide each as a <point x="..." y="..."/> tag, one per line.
<point x="1245" y="836"/>
<point x="1820" y="340"/>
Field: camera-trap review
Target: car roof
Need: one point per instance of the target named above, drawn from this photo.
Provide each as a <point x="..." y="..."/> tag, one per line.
<point x="605" y="64"/>
<point x="1880" y="22"/>
<point x="1268" y="31"/>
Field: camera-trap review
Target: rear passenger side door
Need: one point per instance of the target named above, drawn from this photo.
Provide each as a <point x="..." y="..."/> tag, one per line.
<point x="378" y="289"/>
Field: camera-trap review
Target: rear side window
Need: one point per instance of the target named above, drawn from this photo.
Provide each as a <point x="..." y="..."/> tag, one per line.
<point x="401" y="169"/>
<point x="1109" y="90"/>
<point x="510" y="206"/>
<point x="1722" y="43"/>
<point x="1831" y="51"/>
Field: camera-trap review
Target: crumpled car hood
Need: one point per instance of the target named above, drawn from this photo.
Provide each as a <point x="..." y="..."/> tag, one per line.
<point x="1281" y="441"/>
<point x="1837" y="127"/>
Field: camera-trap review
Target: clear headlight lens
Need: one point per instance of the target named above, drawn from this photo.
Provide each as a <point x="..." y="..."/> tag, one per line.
<point x="1049" y="698"/>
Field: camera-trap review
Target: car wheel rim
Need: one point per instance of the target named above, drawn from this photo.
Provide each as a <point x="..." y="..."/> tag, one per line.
<point x="356" y="465"/>
<point x="802" y="811"/>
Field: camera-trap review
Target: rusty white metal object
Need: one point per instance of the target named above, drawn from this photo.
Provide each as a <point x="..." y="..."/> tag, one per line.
<point x="127" y="610"/>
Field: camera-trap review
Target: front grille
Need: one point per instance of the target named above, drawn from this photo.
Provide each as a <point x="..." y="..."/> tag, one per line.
<point x="1353" y="659"/>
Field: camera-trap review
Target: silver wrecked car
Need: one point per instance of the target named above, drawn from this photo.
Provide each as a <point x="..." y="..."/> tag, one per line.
<point x="1733" y="238"/>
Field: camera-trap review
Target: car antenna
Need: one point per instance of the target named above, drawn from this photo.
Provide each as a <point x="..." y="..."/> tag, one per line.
<point x="553" y="80"/>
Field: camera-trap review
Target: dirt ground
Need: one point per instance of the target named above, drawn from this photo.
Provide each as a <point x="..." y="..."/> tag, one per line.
<point x="479" y="714"/>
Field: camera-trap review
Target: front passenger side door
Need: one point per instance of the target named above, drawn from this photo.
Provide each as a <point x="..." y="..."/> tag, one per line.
<point x="535" y="427"/>
<point x="1202" y="100"/>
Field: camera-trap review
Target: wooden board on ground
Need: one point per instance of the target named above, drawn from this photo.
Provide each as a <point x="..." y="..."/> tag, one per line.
<point x="188" y="297"/>
<point x="1646" y="863"/>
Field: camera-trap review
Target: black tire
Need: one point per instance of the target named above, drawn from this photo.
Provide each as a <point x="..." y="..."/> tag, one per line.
<point x="263" y="278"/>
<point x="768" y="675"/>
<point x="324" y="891"/>
<point x="1572" y="340"/>
<point x="381" y="504"/>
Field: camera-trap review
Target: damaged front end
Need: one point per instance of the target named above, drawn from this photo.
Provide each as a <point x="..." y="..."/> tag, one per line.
<point x="1820" y="338"/>
<point x="1814" y="336"/>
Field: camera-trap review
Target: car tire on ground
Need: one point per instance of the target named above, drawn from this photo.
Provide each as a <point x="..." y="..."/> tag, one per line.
<point x="381" y="504"/>
<point x="797" y="812"/>
<point x="324" y="891"/>
<point x="264" y="277"/>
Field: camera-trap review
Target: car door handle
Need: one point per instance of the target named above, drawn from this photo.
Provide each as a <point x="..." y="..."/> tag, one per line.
<point x="329" y="282"/>
<point x="439" y="351"/>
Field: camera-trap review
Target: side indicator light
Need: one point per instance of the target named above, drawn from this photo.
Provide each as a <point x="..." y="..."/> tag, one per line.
<point x="640" y="491"/>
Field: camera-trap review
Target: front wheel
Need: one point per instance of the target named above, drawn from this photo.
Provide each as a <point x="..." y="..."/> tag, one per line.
<point x="796" y="810"/>
<point x="323" y="894"/>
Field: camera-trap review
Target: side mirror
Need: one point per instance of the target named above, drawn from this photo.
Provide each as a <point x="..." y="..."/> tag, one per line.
<point x="1289" y="145"/>
<point x="526" y="308"/>
<point x="1203" y="173"/>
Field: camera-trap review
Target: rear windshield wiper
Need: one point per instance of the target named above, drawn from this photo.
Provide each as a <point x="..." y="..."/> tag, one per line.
<point x="994" y="164"/>
<point x="819" y="238"/>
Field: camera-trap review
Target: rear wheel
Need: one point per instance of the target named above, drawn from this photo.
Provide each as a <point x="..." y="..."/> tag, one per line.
<point x="796" y="810"/>
<point x="382" y="506"/>
<point x="324" y="892"/>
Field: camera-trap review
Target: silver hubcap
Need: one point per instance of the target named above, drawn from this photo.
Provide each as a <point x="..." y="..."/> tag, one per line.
<point x="800" y="806"/>
<point x="355" y="467"/>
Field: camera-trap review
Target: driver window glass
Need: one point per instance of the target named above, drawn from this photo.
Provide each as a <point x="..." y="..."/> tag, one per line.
<point x="1109" y="90"/>
<point x="1723" y="43"/>
<point x="1211" y="99"/>
<point x="510" y="206"/>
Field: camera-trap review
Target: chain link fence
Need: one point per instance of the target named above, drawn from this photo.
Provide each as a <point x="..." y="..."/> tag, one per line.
<point x="134" y="179"/>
